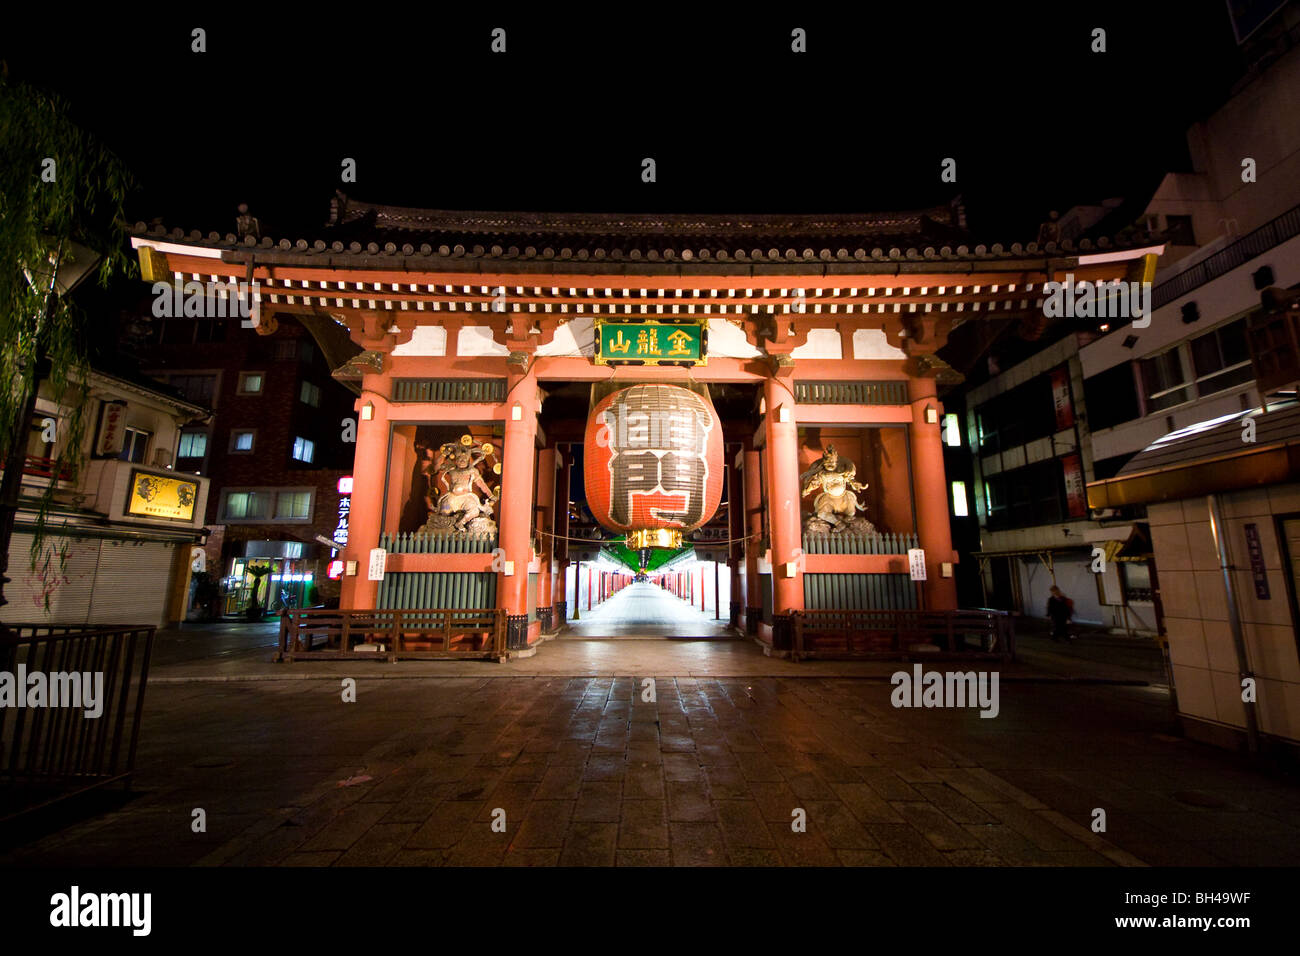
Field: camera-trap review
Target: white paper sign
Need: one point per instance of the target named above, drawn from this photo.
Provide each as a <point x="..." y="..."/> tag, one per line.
<point x="916" y="563"/>
<point x="378" y="557"/>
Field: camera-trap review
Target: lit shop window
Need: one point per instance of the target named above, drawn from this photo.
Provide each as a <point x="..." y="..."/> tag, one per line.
<point x="241" y="440"/>
<point x="304" y="449"/>
<point x="951" y="431"/>
<point x="959" y="499"/>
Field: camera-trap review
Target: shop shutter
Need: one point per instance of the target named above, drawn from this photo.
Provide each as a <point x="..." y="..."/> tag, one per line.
<point x="69" y="600"/>
<point x="133" y="581"/>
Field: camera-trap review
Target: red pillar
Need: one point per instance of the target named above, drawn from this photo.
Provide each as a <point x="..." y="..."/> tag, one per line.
<point x="783" y="507"/>
<point x="589" y="578"/>
<point x="545" y="522"/>
<point x="516" y="521"/>
<point x="930" y="486"/>
<point x="753" y="485"/>
<point x="366" y="516"/>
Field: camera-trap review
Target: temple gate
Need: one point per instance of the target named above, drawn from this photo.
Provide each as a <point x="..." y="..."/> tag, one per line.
<point x="487" y="339"/>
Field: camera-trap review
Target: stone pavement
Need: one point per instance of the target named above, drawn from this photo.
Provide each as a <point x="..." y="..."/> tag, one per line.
<point x="644" y="610"/>
<point x="588" y="773"/>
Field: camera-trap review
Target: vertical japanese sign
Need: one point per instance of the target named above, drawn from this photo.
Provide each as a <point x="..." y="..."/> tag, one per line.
<point x="1257" y="571"/>
<point x="1076" y="494"/>
<point x="112" y="429"/>
<point x="1061" y="398"/>
<point x="916" y="563"/>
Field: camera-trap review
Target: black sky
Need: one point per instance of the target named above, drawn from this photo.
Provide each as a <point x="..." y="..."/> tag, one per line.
<point x="734" y="120"/>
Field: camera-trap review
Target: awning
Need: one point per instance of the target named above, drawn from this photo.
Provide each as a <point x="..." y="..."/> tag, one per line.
<point x="1222" y="454"/>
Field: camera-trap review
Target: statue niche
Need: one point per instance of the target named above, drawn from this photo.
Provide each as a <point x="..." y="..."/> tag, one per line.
<point x="453" y="477"/>
<point x="836" y="507"/>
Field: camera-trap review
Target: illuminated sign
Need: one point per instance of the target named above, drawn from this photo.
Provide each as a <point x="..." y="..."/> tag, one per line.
<point x="649" y="343"/>
<point x="345" y="485"/>
<point x="341" y="530"/>
<point x="336" y="569"/>
<point x="158" y="496"/>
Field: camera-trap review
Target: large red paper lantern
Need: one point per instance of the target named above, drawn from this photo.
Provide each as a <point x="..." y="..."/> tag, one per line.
<point x="653" y="463"/>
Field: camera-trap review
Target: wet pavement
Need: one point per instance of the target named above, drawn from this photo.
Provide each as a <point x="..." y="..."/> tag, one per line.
<point x="716" y="767"/>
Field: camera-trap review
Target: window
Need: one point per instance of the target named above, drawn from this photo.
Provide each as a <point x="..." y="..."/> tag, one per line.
<point x="193" y="445"/>
<point x="284" y="350"/>
<point x="310" y="394"/>
<point x="241" y="440"/>
<point x="1221" y="358"/>
<point x="1164" y="381"/>
<point x="304" y="449"/>
<point x="134" y="445"/>
<point x="247" y="505"/>
<point x="951" y="431"/>
<point x="959" y="508"/>
<point x="1023" y="414"/>
<point x="1111" y="397"/>
<point x="198" y="389"/>
<point x="250" y="383"/>
<point x="293" y="504"/>
<point x="1027" y="496"/>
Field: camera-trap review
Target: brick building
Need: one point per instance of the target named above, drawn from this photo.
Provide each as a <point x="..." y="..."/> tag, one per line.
<point x="274" y="451"/>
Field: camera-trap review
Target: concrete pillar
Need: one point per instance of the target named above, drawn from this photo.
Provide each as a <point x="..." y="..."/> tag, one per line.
<point x="546" y="522"/>
<point x="783" y="509"/>
<point x="368" y="474"/>
<point x="516" y="521"/>
<point x="930" y="488"/>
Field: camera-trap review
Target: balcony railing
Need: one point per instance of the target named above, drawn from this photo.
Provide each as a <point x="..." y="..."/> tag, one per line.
<point x="1273" y="233"/>
<point x="44" y="468"/>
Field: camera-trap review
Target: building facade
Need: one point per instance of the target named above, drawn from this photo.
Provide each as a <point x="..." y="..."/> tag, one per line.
<point x="122" y="537"/>
<point x="275" y="452"/>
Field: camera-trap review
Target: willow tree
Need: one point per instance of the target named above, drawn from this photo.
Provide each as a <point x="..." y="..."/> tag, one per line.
<point x="61" y="199"/>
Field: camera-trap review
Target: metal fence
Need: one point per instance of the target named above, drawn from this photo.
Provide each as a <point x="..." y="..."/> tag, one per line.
<point x="50" y="749"/>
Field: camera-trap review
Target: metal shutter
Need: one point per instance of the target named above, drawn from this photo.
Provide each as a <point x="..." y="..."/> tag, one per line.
<point x="133" y="581"/>
<point x="69" y="600"/>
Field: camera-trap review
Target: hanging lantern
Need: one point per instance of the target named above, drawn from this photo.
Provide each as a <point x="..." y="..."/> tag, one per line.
<point x="653" y="463"/>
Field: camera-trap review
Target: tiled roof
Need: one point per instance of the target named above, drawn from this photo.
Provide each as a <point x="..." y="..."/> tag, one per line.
<point x="367" y="231"/>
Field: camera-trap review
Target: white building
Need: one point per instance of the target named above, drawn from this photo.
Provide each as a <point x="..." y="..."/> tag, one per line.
<point x="120" y="541"/>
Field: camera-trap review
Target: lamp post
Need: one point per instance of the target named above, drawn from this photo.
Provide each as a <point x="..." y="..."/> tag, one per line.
<point x="69" y="263"/>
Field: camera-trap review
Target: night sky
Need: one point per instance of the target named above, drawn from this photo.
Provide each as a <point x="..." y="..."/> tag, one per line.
<point x="735" y="121"/>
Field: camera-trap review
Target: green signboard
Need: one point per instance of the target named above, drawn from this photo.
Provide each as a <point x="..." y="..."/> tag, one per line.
<point x="650" y="343"/>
